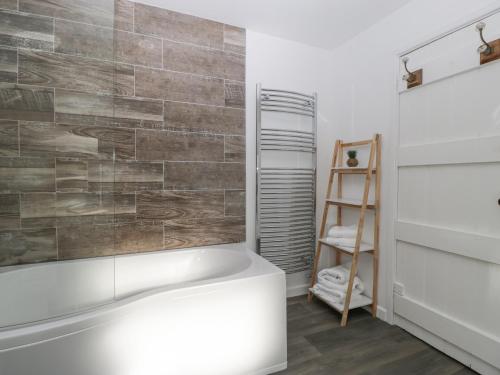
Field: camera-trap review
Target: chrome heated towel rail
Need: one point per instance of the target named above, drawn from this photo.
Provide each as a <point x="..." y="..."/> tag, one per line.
<point x="286" y="200"/>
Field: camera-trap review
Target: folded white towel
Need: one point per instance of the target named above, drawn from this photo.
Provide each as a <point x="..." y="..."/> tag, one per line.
<point x="332" y="298"/>
<point x="358" y="286"/>
<point x="344" y="232"/>
<point x="337" y="275"/>
<point x="340" y="241"/>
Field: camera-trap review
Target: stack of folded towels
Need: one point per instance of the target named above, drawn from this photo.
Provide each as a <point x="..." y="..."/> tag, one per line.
<point x="333" y="282"/>
<point x="342" y="236"/>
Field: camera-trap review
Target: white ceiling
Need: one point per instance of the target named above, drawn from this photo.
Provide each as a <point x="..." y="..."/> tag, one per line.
<point x="321" y="23"/>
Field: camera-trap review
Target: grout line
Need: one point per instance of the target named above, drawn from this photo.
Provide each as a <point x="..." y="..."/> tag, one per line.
<point x="53" y="34"/>
<point x="19" y="138"/>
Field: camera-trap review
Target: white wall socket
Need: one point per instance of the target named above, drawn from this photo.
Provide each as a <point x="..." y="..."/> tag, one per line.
<point x="399" y="289"/>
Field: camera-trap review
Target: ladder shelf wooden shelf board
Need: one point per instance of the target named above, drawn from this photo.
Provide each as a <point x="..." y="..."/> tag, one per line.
<point x="361" y="301"/>
<point x="349" y="203"/>
<point x="363" y="247"/>
<point x="352" y="170"/>
<point x="370" y="172"/>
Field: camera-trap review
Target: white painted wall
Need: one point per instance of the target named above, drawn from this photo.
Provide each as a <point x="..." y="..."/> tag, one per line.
<point x="363" y="99"/>
<point x="356" y="85"/>
<point x="283" y="64"/>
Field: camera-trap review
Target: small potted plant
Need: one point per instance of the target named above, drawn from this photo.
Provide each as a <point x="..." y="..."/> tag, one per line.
<point x="352" y="161"/>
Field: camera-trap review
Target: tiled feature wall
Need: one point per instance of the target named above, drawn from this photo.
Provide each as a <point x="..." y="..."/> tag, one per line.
<point x="121" y="130"/>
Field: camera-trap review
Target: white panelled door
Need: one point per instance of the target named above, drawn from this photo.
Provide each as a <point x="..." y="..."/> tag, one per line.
<point x="448" y="218"/>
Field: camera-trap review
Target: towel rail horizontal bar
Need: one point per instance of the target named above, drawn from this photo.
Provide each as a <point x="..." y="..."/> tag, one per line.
<point x="276" y="142"/>
<point x="288" y="180"/>
<point x="288" y="107"/>
<point x="288" y="131"/>
<point x="284" y="226"/>
<point x="288" y="111"/>
<point x="293" y="101"/>
<point x="287" y="224"/>
<point x="288" y="242"/>
<point x="272" y="91"/>
<point x="283" y="149"/>
<point x="298" y="248"/>
<point x="296" y="233"/>
<point x="308" y="206"/>
<point x="284" y="101"/>
<point x="290" y="245"/>
<point x="287" y="170"/>
<point x="275" y="96"/>
<point x="292" y="259"/>
<point x="284" y="189"/>
<point x="287" y="142"/>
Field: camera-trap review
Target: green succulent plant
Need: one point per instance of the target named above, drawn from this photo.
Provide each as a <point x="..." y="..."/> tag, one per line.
<point x="352" y="154"/>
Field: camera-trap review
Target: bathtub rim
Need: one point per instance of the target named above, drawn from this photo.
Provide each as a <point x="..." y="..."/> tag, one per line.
<point x="17" y="336"/>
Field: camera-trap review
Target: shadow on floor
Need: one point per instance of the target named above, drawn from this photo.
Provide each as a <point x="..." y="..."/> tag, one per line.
<point x="317" y="345"/>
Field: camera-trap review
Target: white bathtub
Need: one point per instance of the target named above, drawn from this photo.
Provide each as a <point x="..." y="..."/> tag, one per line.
<point x="216" y="310"/>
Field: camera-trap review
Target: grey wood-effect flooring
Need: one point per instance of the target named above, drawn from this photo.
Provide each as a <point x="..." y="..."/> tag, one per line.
<point x="317" y="345"/>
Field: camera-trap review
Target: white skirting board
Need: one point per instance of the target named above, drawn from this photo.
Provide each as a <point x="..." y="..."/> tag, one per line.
<point x="444" y="346"/>
<point x="472" y="347"/>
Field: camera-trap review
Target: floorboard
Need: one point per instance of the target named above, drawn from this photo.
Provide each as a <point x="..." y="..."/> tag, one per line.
<point x="317" y="345"/>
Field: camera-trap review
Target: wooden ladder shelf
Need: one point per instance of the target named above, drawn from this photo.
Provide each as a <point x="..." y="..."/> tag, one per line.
<point x="337" y="168"/>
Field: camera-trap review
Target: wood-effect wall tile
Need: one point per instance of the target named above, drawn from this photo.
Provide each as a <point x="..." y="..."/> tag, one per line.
<point x="124" y="15"/>
<point x="38" y="205"/>
<point x="234" y="39"/>
<point x="9" y="138"/>
<point x="8" y="65"/>
<point x="234" y="149"/>
<point x="27" y="31"/>
<point x="209" y="231"/>
<point x="27" y="246"/>
<point x="21" y="102"/>
<point x="204" y="118"/>
<point x="234" y="94"/>
<point x="168" y="85"/>
<point x="71" y="175"/>
<point x="204" y="176"/>
<point x="188" y="58"/>
<point x="234" y="202"/>
<point x="177" y="26"/>
<point x="91" y="106"/>
<point x="27" y="175"/>
<point x="38" y="210"/>
<point x="9" y="211"/>
<point x="81" y="39"/>
<point x="137" y="49"/>
<point x="89" y="142"/>
<point x="85" y="241"/>
<point x="138" y="237"/>
<point x="172" y="205"/>
<point x="166" y="145"/>
<point x="8" y="4"/>
<point x="96" y="12"/>
<point x="125" y="176"/>
<point x="79" y="204"/>
<point x="75" y="73"/>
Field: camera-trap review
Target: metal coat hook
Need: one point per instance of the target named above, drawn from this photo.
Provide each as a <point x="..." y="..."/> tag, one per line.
<point x="412" y="78"/>
<point x="486" y="47"/>
<point x="409" y="76"/>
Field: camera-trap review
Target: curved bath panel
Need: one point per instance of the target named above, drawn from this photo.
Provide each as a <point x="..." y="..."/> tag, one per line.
<point x="227" y="318"/>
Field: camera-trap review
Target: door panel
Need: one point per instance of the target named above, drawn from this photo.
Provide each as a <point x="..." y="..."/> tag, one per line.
<point x="448" y="216"/>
